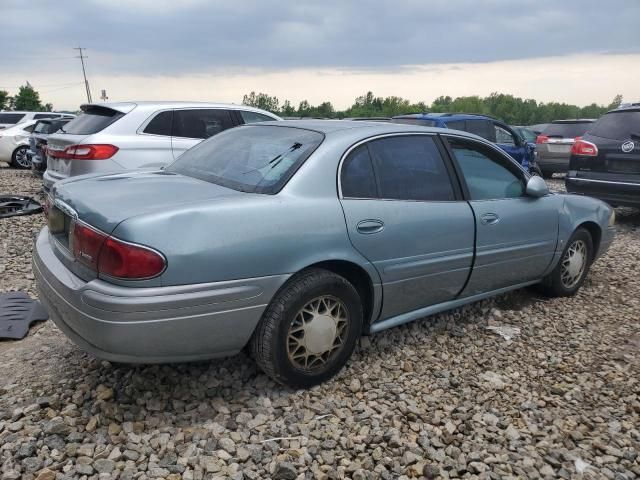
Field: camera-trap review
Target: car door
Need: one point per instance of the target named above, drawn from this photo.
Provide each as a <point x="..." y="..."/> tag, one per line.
<point x="516" y="234"/>
<point x="191" y="126"/>
<point x="508" y="141"/>
<point x="407" y="217"/>
<point x="151" y="148"/>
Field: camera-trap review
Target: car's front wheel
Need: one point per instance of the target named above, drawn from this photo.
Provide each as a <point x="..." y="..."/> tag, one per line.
<point x="309" y="329"/>
<point x="569" y="274"/>
<point x="20" y="159"/>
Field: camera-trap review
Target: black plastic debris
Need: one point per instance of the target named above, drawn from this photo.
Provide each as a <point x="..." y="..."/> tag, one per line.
<point x="17" y="312"/>
<point x="13" y="205"/>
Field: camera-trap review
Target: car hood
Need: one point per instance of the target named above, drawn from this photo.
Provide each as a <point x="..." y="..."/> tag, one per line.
<point x="105" y="201"/>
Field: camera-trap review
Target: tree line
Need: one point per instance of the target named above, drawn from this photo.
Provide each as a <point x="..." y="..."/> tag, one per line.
<point x="510" y="109"/>
<point x="27" y="99"/>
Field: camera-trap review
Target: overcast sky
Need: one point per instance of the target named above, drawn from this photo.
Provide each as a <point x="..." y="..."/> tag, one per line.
<point x="576" y="51"/>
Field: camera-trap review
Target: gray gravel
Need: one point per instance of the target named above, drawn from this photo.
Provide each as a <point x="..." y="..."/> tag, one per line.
<point x="441" y="398"/>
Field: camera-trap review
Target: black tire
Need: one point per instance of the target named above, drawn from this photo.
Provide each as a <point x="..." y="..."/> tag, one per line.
<point x="270" y="342"/>
<point x="553" y="284"/>
<point x="546" y="174"/>
<point x="16" y="158"/>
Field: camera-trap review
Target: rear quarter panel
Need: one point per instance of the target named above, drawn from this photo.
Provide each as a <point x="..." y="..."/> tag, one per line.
<point x="577" y="210"/>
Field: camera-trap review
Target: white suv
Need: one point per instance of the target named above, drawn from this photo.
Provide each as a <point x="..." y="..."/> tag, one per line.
<point x="112" y="137"/>
<point x="9" y="119"/>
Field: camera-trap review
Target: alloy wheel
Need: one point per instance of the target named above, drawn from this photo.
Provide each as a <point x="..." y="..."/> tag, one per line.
<point x="317" y="332"/>
<point x="574" y="263"/>
<point x="21" y="158"/>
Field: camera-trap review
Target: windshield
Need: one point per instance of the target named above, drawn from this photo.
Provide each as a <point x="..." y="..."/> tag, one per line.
<point x="617" y="125"/>
<point x="11" y="118"/>
<point x="93" y="120"/>
<point x="255" y="158"/>
<point x="566" y="129"/>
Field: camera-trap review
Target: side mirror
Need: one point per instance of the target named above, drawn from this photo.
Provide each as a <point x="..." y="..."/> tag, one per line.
<point x="536" y="187"/>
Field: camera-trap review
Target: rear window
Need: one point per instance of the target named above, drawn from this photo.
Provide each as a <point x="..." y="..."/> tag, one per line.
<point x="415" y="121"/>
<point x="617" y="125"/>
<point x="11" y="117"/>
<point x="41" y="127"/>
<point x="93" y="120"/>
<point x="38" y="116"/>
<point x="252" y="158"/>
<point x="566" y="130"/>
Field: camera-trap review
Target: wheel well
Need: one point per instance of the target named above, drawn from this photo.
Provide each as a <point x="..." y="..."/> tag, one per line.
<point x="358" y="277"/>
<point x="595" y="232"/>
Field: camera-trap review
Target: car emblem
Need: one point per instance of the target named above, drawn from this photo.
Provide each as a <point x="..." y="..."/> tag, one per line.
<point x="628" y="146"/>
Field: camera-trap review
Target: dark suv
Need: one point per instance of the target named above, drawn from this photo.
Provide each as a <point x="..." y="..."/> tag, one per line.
<point x="605" y="162"/>
<point x="482" y="125"/>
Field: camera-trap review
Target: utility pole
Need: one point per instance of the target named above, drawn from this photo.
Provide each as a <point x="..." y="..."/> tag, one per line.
<point x="84" y="73"/>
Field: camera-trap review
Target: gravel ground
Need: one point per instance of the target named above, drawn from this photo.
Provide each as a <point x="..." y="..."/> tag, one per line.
<point x="445" y="397"/>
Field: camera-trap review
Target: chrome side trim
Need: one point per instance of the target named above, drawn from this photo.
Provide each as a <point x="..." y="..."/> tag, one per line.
<point x="610" y="182"/>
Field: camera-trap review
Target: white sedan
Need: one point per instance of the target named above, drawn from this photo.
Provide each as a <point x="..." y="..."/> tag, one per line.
<point x="14" y="144"/>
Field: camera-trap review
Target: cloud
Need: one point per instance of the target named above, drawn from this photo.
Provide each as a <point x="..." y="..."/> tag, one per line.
<point x="167" y="37"/>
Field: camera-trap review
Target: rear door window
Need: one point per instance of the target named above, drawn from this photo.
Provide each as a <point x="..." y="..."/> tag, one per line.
<point x="160" y="124"/>
<point x="357" y="176"/>
<point x="45" y="115"/>
<point x="200" y="123"/>
<point x="253" y="117"/>
<point x="94" y="119"/>
<point x="503" y="136"/>
<point x="617" y="125"/>
<point x="41" y="127"/>
<point x="566" y="130"/>
<point x="482" y="128"/>
<point x="410" y="168"/>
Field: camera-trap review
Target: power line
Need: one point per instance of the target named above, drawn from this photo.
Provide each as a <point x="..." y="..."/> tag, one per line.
<point x="84" y="73"/>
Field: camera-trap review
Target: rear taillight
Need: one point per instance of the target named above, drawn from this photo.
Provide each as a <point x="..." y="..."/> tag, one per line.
<point x="542" y="139"/>
<point x="86" y="244"/>
<point x="584" y="148"/>
<point x="115" y="258"/>
<point x="85" y="152"/>
<point x="126" y="260"/>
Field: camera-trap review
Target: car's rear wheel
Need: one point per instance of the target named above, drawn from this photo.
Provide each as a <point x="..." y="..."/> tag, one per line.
<point x="569" y="274"/>
<point x="19" y="159"/>
<point x="309" y="329"/>
<point x="547" y="174"/>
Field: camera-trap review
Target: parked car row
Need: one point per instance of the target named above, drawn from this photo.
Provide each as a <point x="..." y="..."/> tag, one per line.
<point x="12" y="118"/>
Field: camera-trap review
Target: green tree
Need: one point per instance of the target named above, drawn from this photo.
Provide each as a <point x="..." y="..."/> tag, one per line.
<point x="617" y="100"/>
<point x="4" y="99"/>
<point x="304" y="109"/>
<point x="27" y="99"/>
<point x="261" y="100"/>
<point x="287" y="109"/>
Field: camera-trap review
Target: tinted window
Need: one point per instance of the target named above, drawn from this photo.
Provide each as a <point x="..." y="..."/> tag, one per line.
<point x="617" y="125"/>
<point x="29" y="128"/>
<point x="258" y="159"/>
<point x="503" y="136"/>
<point x="201" y="123"/>
<point x="45" y="115"/>
<point x="11" y="117"/>
<point x="160" y="124"/>
<point x="253" y="117"/>
<point x="415" y="121"/>
<point x="410" y="168"/>
<point x="357" y="177"/>
<point x="457" y="125"/>
<point x="485" y="172"/>
<point x="482" y="128"/>
<point x="93" y="120"/>
<point x="566" y="130"/>
<point x="41" y="127"/>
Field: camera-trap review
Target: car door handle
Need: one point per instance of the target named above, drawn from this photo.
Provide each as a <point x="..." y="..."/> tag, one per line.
<point x="367" y="227"/>
<point x="489" y="219"/>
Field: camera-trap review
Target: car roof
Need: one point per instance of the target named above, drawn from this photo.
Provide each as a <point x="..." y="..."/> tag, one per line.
<point x="575" y="120"/>
<point x="447" y="116"/>
<point x="626" y="107"/>
<point x="148" y="105"/>
<point x="358" y="127"/>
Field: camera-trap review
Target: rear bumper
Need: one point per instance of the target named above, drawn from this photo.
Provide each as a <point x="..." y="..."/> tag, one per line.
<point x="553" y="164"/>
<point x="155" y="324"/>
<point x="614" y="192"/>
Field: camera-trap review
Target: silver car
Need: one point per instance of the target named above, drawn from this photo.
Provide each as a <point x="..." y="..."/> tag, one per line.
<point x="296" y="237"/>
<point x="112" y="137"/>
<point x="553" y="145"/>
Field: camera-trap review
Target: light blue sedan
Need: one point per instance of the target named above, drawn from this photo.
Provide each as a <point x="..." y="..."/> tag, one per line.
<point x="294" y="238"/>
